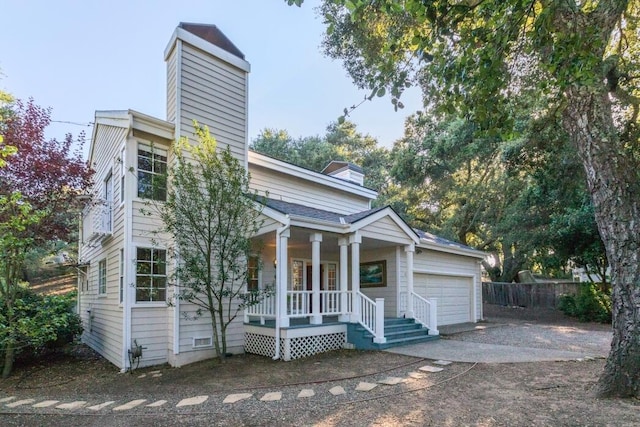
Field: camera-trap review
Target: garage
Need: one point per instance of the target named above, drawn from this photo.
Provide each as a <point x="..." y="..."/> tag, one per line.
<point x="454" y="294"/>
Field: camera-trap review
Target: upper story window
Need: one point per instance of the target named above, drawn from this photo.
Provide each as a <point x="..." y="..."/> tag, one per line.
<point x="152" y="172"/>
<point x="107" y="213"/>
<point x="123" y="172"/>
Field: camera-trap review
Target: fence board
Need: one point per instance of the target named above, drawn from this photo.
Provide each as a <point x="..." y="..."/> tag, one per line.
<point x="527" y="294"/>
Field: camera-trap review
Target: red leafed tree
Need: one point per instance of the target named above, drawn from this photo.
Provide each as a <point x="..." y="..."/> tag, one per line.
<point x="48" y="173"/>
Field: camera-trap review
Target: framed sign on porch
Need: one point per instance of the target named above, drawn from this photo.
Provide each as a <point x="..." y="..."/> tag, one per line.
<point x="373" y="274"/>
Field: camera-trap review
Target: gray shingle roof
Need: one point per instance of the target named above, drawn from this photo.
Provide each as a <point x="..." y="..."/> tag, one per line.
<point x="314" y="213"/>
<point x="432" y="238"/>
<point x="288" y="208"/>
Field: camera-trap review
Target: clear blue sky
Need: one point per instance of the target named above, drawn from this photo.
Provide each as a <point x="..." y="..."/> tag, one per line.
<point x="82" y="56"/>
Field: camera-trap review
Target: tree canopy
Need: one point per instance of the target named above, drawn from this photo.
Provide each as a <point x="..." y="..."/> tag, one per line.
<point x="573" y="63"/>
<point x="342" y="141"/>
<point x="39" y="182"/>
<point x="48" y="173"/>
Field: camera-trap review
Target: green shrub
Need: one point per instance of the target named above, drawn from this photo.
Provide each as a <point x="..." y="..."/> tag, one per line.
<point x="42" y="323"/>
<point x="591" y="304"/>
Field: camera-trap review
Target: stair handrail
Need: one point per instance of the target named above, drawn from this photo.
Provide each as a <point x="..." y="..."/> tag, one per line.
<point x="425" y="312"/>
<point x="372" y="317"/>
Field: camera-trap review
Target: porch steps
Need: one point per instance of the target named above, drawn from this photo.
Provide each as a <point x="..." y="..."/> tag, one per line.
<point x="397" y="331"/>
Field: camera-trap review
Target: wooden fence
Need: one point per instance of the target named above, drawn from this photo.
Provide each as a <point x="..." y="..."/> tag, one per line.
<point x="527" y="294"/>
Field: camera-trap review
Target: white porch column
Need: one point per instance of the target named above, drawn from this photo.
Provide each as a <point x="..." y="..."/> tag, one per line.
<point x="344" y="278"/>
<point x="355" y="240"/>
<point x="316" y="317"/>
<point x="282" y="257"/>
<point x="409" y="251"/>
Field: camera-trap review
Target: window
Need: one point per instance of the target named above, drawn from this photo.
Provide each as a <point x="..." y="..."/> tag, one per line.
<point x="121" y="283"/>
<point x="123" y="172"/>
<point x="297" y="277"/>
<point x="102" y="277"/>
<point x="152" y="172"/>
<point x="107" y="218"/>
<point x="331" y="277"/>
<point x="151" y="274"/>
<point x="84" y="278"/>
<point x="253" y="274"/>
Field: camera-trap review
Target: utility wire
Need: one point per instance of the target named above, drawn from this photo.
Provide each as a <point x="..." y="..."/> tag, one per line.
<point x="73" y="123"/>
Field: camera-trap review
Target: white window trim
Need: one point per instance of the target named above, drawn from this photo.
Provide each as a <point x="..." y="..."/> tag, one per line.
<point x="306" y="262"/>
<point x="123" y="173"/>
<point x="260" y="284"/>
<point x="109" y="203"/>
<point x="121" y="287"/>
<point x="150" y="304"/>
<point x="153" y="146"/>
<point x="100" y="290"/>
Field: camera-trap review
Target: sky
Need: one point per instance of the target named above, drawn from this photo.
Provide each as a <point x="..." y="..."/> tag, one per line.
<point x="80" y="56"/>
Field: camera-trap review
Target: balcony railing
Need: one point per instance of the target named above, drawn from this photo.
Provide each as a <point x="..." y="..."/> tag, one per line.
<point x="97" y="220"/>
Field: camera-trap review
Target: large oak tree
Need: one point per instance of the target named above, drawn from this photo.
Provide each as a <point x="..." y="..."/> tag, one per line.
<point x="474" y="56"/>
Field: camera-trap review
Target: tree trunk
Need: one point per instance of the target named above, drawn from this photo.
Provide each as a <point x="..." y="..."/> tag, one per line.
<point x="8" y="360"/>
<point x="615" y="192"/>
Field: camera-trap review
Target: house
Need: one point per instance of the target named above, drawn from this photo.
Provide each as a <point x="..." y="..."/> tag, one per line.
<point x="341" y="270"/>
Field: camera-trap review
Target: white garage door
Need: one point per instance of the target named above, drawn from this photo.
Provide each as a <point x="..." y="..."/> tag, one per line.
<point x="454" y="296"/>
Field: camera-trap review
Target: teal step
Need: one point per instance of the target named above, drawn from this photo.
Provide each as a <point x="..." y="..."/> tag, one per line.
<point x="397" y="331"/>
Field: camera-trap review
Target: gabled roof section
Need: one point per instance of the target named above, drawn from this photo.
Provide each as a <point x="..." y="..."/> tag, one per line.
<point x="350" y="223"/>
<point x="213" y="35"/>
<point x="345" y="223"/>
<point x="131" y="120"/>
<point x="428" y="240"/>
<point x="362" y="219"/>
<point x="272" y="163"/>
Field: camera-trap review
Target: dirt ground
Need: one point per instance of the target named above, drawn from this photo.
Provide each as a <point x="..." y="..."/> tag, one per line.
<point x="524" y="394"/>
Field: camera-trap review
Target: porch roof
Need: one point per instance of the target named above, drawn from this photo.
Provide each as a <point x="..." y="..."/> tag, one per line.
<point x="428" y="239"/>
<point x="295" y="209"/>
<point x="423" y="239"/>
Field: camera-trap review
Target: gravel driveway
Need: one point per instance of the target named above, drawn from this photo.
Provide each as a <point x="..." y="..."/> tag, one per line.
<point x="512" y="334"/>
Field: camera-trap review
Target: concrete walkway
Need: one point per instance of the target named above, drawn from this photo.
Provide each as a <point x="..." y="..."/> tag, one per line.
<point x="465" y="351"/>
<point x="496" y="342"/>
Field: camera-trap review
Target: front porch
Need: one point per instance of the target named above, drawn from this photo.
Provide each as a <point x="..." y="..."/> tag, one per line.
<point x="338" y="327"/>
<point x="321" y="296"/>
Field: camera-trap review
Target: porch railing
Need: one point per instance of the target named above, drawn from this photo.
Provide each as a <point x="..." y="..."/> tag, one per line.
<point x="425" y="311"/>
<point x="263" y="305"/>
<point x="372" y="316"/>
<point x="299" y="303"/>
<point x="331" y="302"/>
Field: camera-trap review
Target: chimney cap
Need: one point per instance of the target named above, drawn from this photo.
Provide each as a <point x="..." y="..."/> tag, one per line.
<point x="213" y="35"/>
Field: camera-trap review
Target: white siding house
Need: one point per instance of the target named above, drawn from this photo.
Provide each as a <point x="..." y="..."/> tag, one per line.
<point x="333" y="262"/>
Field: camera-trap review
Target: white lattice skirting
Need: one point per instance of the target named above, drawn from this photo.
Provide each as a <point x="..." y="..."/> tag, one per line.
<point x="295" y="343"/>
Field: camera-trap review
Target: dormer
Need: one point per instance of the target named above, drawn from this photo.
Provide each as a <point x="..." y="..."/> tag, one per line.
<point x="345" y="170"/>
